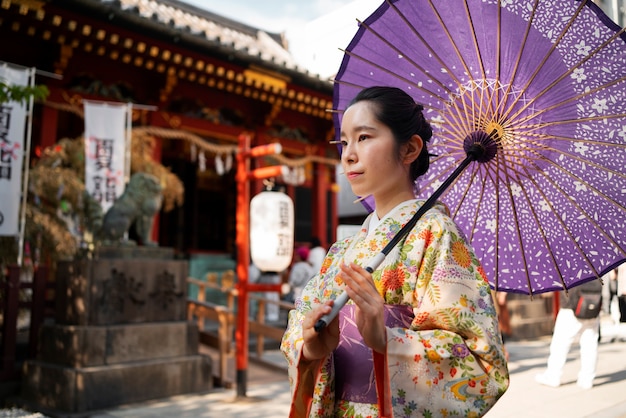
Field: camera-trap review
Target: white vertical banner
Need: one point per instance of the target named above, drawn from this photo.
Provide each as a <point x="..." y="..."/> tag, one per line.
<point x="12" y="128"/>
<point x="105" y="151"/>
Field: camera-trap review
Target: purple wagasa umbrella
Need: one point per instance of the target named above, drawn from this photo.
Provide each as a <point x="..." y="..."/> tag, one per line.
<point x="548" y="79"/>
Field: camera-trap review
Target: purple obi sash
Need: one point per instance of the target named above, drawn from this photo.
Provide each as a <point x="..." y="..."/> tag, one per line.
<point x="354" y="365"/>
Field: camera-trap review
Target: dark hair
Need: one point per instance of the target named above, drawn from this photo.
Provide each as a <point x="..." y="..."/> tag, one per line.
<point x="396" y="109"/>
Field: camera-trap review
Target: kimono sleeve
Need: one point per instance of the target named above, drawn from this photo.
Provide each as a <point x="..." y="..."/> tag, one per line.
<point x="311" y="381"/>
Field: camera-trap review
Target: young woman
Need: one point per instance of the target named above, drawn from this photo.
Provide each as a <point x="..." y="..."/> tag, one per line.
<point x="419" y="336"/>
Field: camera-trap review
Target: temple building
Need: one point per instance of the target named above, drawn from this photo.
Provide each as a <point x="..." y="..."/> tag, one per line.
<point x="196" y="81"/>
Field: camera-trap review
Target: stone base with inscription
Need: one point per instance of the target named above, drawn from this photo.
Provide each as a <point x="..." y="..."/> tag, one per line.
<point x="120" y="335"/>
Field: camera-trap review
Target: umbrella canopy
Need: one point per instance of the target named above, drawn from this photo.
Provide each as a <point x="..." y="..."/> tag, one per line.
<point x="547" y="78"/>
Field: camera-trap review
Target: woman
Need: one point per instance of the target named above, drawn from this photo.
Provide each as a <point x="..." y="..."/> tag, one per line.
<point x="419" y="336"/>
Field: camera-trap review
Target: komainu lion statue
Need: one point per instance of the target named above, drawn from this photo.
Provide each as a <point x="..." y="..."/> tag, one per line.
<point x="138" y="205"/>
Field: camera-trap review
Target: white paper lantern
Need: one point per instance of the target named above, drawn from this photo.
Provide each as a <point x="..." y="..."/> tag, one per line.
<point x="271" y="231"/>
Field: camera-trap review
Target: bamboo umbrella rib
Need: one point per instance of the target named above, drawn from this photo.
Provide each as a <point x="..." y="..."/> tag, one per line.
<point x="508" y="155"/>
<point x="506" y="113"/>
<point x="572" y="99"/>
<point x="480" y="62"/>
<point x="498" y="50"/>
<point x="437" y="180"/>
<point x="498" y="57"/>
<point x="360" y="87"/>
<point x="404" y="55"/>
<point x="483" y="190"/>
<point x="493" y="177"/>
<point x="570" y="71"/>
<point x="479" y="102"/>
<point x="459" y="117"/>
<point x="473" y="32"/>
<point x="518" y="60"/>
<point x="565" y="228"/>
<point x="581" y="180"/>
<point x="415" y="32"/>
<point x="533" y="127"/>
<point x="393" y="74"/>
<point x="559" y="167"/>
<point x="426" y="45"/>
<point x="544" y="137"/>
<point x="488" y="102"/>
<point x="468" y="185"/>
<point x="590" y="162"/>
<point x="499" y="161"/>
<point x="451" y="40"/>
<point x="347" y="84"/>
<point x="517" y="228"/>
<point x="544" y="237"/>
<point x="458" y="122"/>
<point x="472" y="183"/>
<point x="489" y="106"/>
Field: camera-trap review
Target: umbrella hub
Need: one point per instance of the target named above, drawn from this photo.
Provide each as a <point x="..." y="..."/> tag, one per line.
<point x="481" y="146"/>
<point x="496" y="130"/>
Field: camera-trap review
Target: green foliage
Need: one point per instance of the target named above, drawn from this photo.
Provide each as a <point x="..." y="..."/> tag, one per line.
<point x="21" y="94"/>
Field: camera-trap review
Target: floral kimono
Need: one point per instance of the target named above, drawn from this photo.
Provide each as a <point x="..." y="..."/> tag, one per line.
<point x="444" y="352"/>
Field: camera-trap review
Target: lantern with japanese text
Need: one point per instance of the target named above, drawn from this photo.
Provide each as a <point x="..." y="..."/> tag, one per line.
<point x="271" y="231"/>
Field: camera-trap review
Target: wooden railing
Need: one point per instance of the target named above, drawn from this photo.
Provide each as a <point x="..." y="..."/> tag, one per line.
<point x="224" y="316"/>
<point x="260" y="328"/>
<point x="12" y="301"/>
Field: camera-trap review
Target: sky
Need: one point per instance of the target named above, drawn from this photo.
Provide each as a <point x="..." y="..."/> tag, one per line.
<point x="316" y="30"/>
<point x="271" y="15"/>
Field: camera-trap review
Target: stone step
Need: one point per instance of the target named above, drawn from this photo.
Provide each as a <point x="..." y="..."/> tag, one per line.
<point x="88" y="346"/>
<point x="76" y="390"/>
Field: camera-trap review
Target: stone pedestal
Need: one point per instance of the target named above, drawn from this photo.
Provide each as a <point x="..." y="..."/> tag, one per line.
<point x="120" y="335"/>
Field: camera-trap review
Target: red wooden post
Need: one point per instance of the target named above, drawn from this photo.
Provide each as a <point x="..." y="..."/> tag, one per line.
<point x="242" y="240"/>
<point x="243" y="262"/>
<point x="320" y="202"/>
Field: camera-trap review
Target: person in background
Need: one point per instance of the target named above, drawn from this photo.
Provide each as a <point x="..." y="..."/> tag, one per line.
<point x="316" y="254"/>
<point x="419" y="336"/>
<point x="272" y="310"/>
<point x="301" y="272"/>
<point x="620" y="292"/>
<point x="504" y="317"/>
<point x="568" y="327"/>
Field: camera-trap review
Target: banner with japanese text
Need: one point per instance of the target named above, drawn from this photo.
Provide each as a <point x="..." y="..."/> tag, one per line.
<point x="105" y="151"/>
<point x="12" y="130"/>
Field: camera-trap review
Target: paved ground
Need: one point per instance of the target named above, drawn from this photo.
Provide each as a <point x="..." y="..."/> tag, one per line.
<point x="268" y="390"/>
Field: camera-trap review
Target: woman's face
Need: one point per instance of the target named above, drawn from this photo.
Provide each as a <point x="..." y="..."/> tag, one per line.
<point x="370" y="158"/>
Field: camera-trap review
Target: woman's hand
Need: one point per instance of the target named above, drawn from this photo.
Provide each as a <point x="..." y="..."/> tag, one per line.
<point x="318" y="345"/>
<point x="370" y="311"/>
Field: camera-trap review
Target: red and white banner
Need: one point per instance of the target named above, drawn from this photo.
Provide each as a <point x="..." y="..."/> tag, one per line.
<point x="105" y="151"/>
<point x="12" y="138"/>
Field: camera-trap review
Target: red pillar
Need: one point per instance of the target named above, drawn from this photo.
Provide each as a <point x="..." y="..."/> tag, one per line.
<point x="243" y="262"/>
<point x="242" y="240"/>
<point x="334" y="212"/>
<point x="320" y="203"/>
<point x="49" y="123"/>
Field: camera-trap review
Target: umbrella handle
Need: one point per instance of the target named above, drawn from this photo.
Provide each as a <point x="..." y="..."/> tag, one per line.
<point x="343" y="298"/>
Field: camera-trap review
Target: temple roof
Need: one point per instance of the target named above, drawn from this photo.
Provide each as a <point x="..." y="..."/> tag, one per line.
<point x="208" y="27"/>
